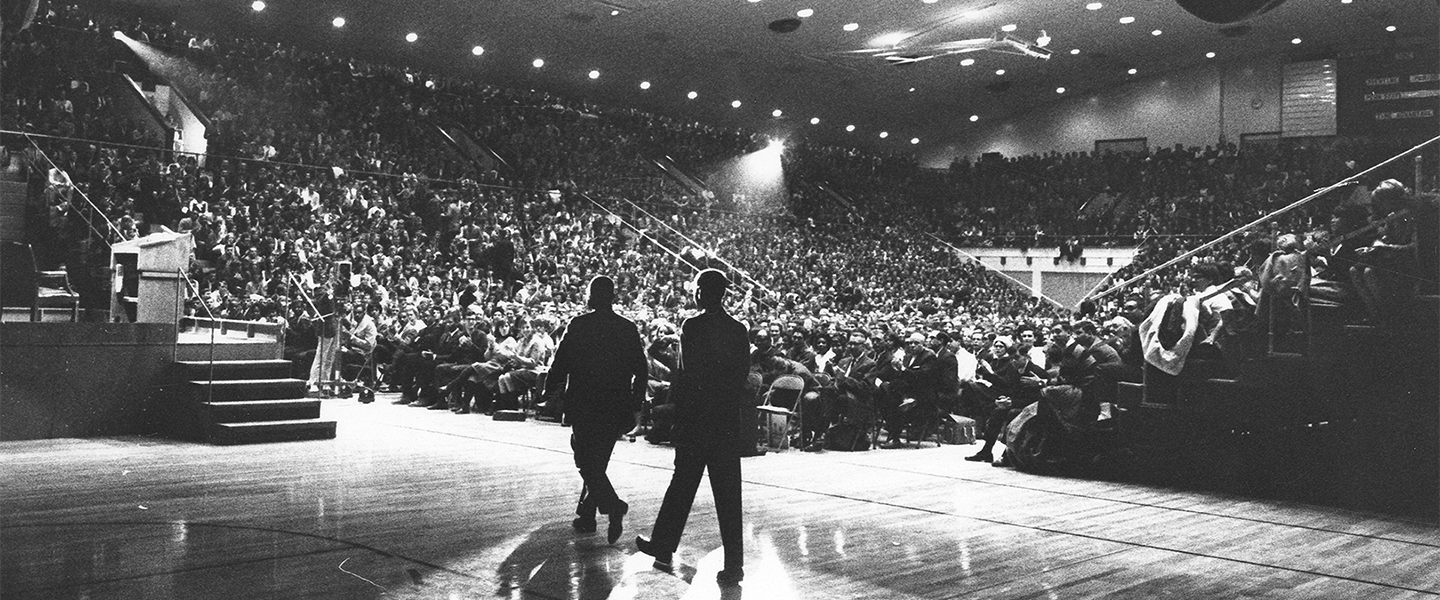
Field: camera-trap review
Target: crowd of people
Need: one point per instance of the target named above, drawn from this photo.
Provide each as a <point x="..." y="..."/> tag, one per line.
<point x="330" y="201"/>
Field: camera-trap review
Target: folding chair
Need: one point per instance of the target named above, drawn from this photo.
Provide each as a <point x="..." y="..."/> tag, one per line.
<point x="780" y="410"/>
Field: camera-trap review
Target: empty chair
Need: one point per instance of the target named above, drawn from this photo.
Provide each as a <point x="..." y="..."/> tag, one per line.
<point x="24" y="285"/>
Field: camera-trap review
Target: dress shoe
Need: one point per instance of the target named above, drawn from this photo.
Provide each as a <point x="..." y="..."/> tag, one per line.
<point x="617" y="523"/>
<point x="402" y="400"/>
<point x="664" y="561"/>
<point x="583" y="524"/>
<point x="730" y="577"/>
<point x="980" y="457"/>
<point x="438" y="406"/>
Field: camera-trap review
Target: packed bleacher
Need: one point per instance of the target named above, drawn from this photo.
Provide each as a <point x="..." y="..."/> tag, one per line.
<point x="319" y="163"/>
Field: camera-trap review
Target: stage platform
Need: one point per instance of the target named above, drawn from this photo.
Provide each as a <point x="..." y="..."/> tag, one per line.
<point x="410" y="503"/>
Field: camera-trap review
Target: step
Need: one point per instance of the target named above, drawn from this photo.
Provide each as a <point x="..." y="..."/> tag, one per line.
<point x="266" y="432"/>
<point x="262" y="410"/>
<point x="199" y="370"/>
<point x="245" y="389"/>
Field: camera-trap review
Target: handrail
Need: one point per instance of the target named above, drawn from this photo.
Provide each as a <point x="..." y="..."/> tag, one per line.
<point x="977" y="261"/>
<point x="710" y="251"/>
<point x="1244" y="228"/>
<point x="94" y="209"/>
<point x="195" y="289"/>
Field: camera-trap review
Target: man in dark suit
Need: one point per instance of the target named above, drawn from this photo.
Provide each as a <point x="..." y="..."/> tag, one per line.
<point x="710" y="400"/>
<point x="601" y="365"/>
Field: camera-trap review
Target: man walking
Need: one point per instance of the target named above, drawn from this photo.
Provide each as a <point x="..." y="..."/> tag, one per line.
<point x="600" y="364"/>
<point x="710" y="399"/>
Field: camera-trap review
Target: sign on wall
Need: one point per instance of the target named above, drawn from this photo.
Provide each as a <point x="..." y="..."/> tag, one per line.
<point x="1390" y="90"/>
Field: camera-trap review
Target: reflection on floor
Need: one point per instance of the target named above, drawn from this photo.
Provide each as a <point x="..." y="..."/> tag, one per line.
<point x="408" y="503"/>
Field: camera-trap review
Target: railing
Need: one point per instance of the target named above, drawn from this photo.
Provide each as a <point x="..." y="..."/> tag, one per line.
<point x="179" y="305"/>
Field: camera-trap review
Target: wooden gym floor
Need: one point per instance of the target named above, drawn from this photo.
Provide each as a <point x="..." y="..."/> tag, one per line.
<point x="409" y="503"/>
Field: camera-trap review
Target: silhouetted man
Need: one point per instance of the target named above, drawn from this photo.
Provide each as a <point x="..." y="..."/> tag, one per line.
<point x="710" y="399"/>
<point x="601" y="364"/>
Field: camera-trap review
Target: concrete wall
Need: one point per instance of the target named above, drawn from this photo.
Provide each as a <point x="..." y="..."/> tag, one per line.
<point x="1194" y="107"/>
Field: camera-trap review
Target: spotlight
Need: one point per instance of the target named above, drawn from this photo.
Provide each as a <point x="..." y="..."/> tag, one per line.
<point x="692" y="95"/>
<point x="1043" y="40"/>
<point x="477" y="51"/>
<point x="776" y="145"/>
<point x="914" y="141"/>
<point x="594" y="74"/>
<point x="411" y="37"/>
<point x="257" y="6"/>
<point x="805" y="13"/>
<point x="338" y="22"/>
<point x="974" y="118"/>
<point x="537" y="63"/>
<point x="849" y="128"/>
<point x="735" y="104"/>
<point x="884" y="134"/>
<point x="776" y="113"/>
<point x="814" y="120"/>
<point x="644" y="85"/>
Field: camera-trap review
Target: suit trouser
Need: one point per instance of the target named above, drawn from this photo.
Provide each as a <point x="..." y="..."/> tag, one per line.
<point x="690" y="464"/>
<point x="593" y="445"/>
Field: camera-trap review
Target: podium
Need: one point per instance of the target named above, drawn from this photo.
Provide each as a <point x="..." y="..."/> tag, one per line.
<point x="148" y="276"/>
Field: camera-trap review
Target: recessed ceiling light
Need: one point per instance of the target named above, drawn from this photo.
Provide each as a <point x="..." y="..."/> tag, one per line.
<point x="1133" y="71"/>
<point x="1008" y="28"/>
<point x="1156" y="32"/>
<point x="1295" y="41"/>
<point x="594" y="74"/>
<point x="1074" y="50"/>
<point x="411" y="37"/>
<point x="692" y="95"/>
<point x="911" y="89"/>
<point x="851" y="26"/>
<point x="1127" y="20"/>
<point x="849" y="128"/>
<point x="338" y="22"/>
<point x="1209" y="55"/>
<point x="735" y="104"/>
<point x="753" y="1"/>
<point x="257" y="6"/>
<point x="477" y="51"/>
<point x="999" y="71"/>
<point x="967" y="62"/>
<point x="929" y="1"/>
<point x="974" y="118"/>
<point x="1346" y="1"/>
<point x="814" y="120"/>
<point x="614" y="13"/>
<point x="1060" y="90"/>
<point x="1094" y="6"/>
<point x="644" y="85"/>
<point x="884" y="134"/>
<point x="914" y="140"/>
<point x="776" y="113"/>
<point x="805" y="13"/>
<point x="1390" y="28"/>
<point x="537" y="63"/>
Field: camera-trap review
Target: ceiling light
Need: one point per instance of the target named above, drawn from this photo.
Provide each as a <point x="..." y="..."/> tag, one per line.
<point x="338" y="22"/>
<point x="849" y="128"/>
<point x="929" y="1"/>
<point x="884" y="134"/>
<point x="753" y="1"/>
<point x="1390" y="28"/>
<point x="692" y="95"/>
<point x="805" y="13"/>
<point x="1043" y="40"/>
<point x="1008" y="28"/>
<point x="1094" y="6"/>
<point x="814" y="120"/>
<point x="999" y="71"/>
<point x="914" y="140"/>
<point x="1060" y="90"/>
<point x="537" y="63"/>
<point x="1127" y="20"/>
<point x="1133" y="71"/>
<point x="477" y="51"/>
<point x="851" y="26"/>
<point x="614" y="13"/>
<point x="974" y="118"/>
<point x="1209" y="55"/>
<point x="889" y="39"/>
<point x="1156" y="32"/>
<point x="257" y="6"/>
<point x="411" y="37"/>
<point x="594" y="74"/>
<point x="967" y="62"/>
<point x="1295" y="41"/>
<point x="1074" y="50"/>
<point x="1346" y="1"/>
<point x="735" y="104"/>
<point x="644" y="85"/>
<point x="776" y="113"/>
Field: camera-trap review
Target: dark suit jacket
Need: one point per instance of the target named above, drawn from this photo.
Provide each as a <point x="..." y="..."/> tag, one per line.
<point x="601" y="364"/>
<point x="708" y="389"/>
